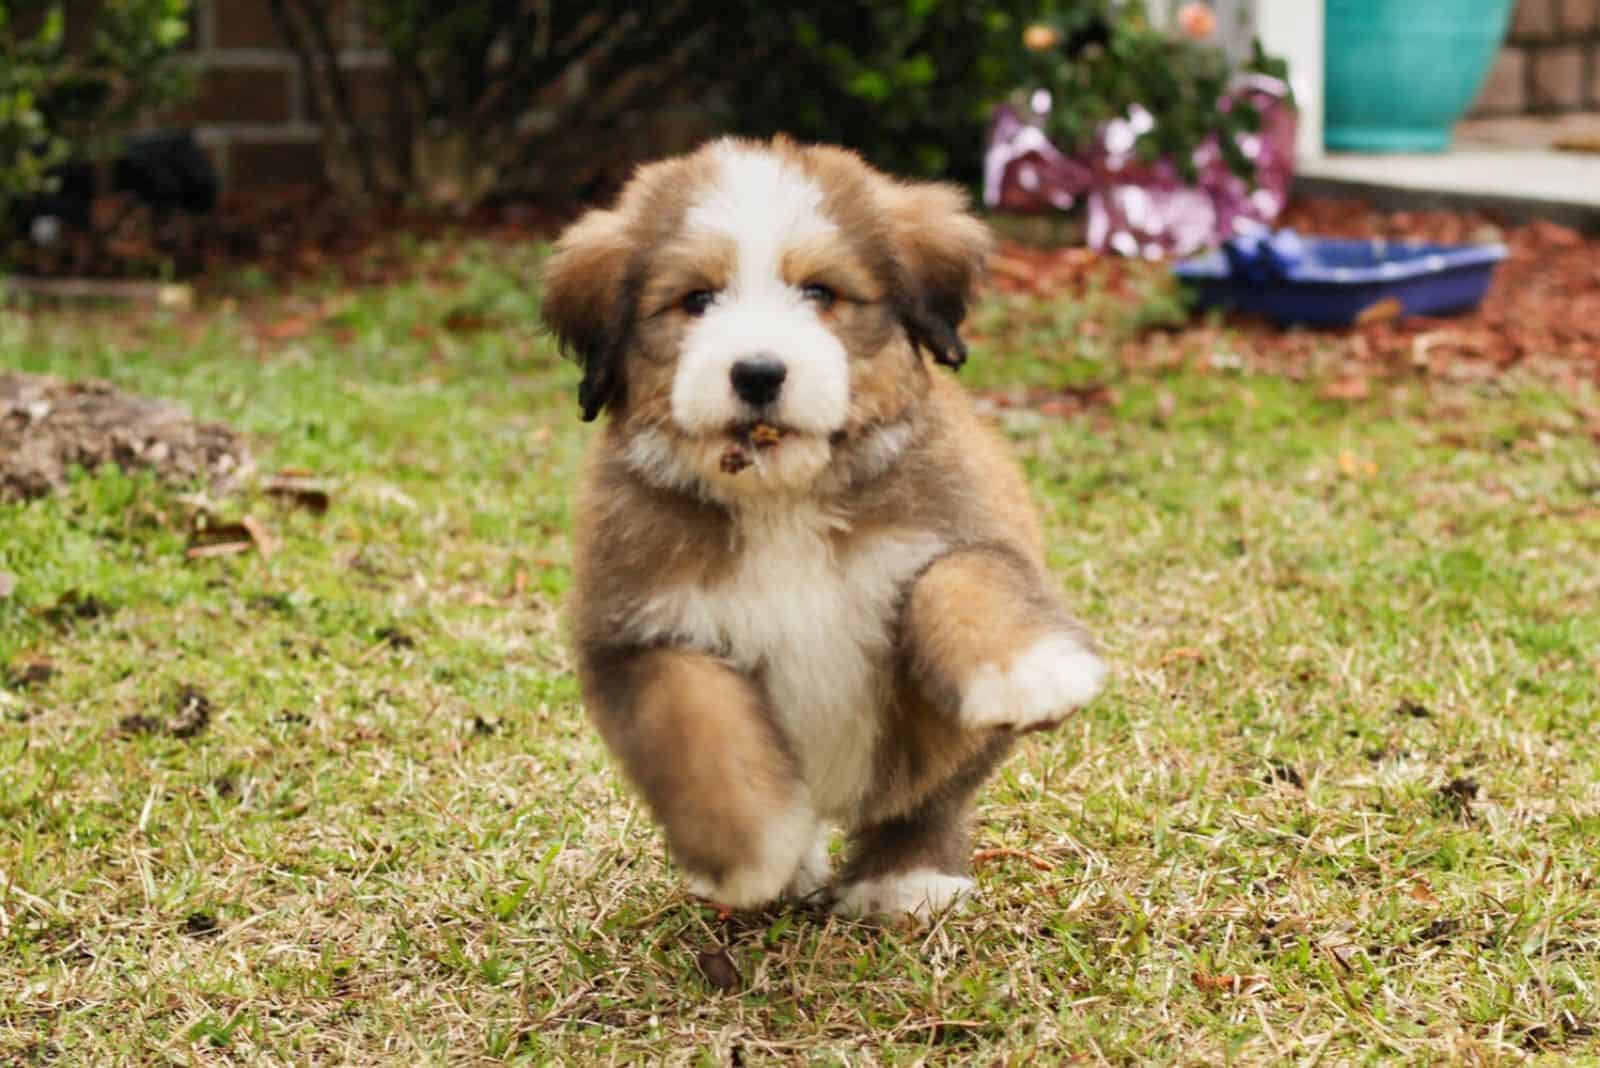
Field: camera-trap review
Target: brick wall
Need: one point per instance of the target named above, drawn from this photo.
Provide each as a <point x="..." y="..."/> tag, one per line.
<point x="252" y="111"/>
<point x="254" y="115"/>
<point x="1550" y="63"/>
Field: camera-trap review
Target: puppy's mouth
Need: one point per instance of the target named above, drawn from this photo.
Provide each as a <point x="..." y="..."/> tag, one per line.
<point x="748" y="442"/>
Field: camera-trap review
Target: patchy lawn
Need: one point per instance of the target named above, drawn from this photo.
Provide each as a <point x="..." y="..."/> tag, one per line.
<point x="340" y="804"/>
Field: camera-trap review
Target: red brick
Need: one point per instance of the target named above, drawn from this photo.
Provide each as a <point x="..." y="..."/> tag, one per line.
<point x="272" y="163"/>
<point x="249" y="24"/>
<point x="371" y="92"/>
<point x="239" y="95"/>
<point x="1558" y="78"/>
<point x="1505" y="90"/>
<point x="1534" y="18"/>
<point x="244" y="24"/>
<point x="1579" y="16"/>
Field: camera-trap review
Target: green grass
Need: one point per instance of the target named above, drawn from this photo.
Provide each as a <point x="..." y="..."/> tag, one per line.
<point x="1341" y="802"/>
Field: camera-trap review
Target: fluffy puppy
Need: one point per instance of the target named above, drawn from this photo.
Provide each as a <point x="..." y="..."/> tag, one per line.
<point x="810" y="588"/>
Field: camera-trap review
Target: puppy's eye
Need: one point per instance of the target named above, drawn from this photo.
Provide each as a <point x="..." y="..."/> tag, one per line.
<point x="819" y="294"/>
<point x="697" y="301"/>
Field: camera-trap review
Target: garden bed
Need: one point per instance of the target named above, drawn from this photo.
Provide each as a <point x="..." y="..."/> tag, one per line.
<point x="1543" y="308"/>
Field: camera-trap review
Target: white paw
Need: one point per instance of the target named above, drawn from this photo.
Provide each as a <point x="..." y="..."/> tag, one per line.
<point x="1047" y="680"/>
<point x="921" y="894"/>
<point x="786" y="845"/>
<point x="814" y="870"/>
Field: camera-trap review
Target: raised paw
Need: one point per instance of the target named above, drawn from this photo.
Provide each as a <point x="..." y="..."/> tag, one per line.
<point x="920" y="894"/>
<point x="1037" y="689"/>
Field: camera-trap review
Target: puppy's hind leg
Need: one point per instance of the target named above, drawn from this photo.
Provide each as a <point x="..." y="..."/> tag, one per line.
<point x="695" y="736"/>
<point x="918" y="864"/>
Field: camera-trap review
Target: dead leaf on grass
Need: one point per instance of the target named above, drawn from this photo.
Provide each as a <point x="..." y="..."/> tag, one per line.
<point x="140" y="724"/>
<point x="289" y="328"/>
<point x="222" y="548"/>
<point x="1352" y="466"/>
<point x="1420" y="891"/>
<point x="1239" y="985"/>
<point x="467" y="321"/>
<point x="388" y="638"/>
<point x="1277" y="771"/>
<point x="1341" y="952"/>
<point x="1184" y="652"/>
<point x="32" y="673"/>
<point x="8" y="584"/>
<point x="210" y="539"/>
<point x="1348" y="388"/>
<point x="260" y="535"/>
<point x="200" y="925"/>
<point x="1458" y="794"/>
<point x="718" y="969"/>
<point x="193" y="713"/>
<point x="76" y="605"/>
<point x="298" y="490"/>
<point x="983" y="856"/>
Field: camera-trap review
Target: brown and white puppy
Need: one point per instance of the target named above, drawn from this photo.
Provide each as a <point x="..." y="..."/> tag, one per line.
<point x="810" y="588"/>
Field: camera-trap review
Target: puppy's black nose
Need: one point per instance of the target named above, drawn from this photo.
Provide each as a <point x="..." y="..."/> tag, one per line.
<point x="758" y="379"/>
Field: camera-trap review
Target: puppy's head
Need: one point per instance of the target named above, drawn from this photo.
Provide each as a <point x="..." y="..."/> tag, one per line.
<point x="752" y="311"/>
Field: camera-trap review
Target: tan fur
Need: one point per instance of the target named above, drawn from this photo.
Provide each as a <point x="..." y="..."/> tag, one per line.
<point x="918" y="519"/>
<point x="681" y="719"/>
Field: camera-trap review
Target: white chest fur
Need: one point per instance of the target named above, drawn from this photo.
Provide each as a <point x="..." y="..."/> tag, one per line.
<point x="815" y="625"/>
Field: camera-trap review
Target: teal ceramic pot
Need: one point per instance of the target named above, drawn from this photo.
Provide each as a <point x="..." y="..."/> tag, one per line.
<point x="1399" y="73"/>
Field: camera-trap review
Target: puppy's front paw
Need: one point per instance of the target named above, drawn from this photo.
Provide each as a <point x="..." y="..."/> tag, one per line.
<point x="814" y="870"/>
<point x="921" y="894"/>
<point x="786" y="848"/>
<point x="1045" y="682"/>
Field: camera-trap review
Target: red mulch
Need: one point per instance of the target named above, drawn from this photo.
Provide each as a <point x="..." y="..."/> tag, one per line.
<point x="1543" y="308"/>
<point x="287" y="232"/>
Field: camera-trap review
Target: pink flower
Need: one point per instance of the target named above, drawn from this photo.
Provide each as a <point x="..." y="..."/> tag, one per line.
<point x="1197" y="20"/>
<point x="1039" y="37"/>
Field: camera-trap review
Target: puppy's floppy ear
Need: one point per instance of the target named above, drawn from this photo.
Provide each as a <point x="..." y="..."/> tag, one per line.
<point x="587" y="304"/>
<point x="941" y="250"/>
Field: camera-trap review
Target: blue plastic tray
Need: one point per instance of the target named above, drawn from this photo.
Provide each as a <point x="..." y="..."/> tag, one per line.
<point x="1323" y="281"/>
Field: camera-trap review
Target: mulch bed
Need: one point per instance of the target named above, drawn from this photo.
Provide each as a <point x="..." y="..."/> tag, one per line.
<point x="1543" y="309"/>
<point x="1545" y="301"/>
<point x="48" y="427"/>
<point x="286" y="232"/>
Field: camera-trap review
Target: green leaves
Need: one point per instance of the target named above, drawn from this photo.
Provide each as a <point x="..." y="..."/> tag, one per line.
<point x="58" y="103"/>
<point x="1112" y="59"/>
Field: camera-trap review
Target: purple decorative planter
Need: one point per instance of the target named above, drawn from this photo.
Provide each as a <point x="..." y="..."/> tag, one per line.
<point x="1145" y="209"/>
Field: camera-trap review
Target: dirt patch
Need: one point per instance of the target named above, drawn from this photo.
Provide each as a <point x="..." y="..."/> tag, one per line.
<point x="48" y="426"/>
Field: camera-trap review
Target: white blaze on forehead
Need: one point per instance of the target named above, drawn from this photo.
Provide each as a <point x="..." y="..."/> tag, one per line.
<point x="765" y="205"/>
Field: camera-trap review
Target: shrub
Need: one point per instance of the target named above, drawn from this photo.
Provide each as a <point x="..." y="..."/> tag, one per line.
<point x="73" y="77"/>
<point x="910" y="84"/>
<point x="1098" y="59"/>
<point x="496" y="96"/>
